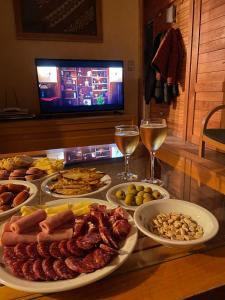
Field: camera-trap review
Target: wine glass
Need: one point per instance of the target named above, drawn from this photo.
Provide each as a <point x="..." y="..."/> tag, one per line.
<point x="153" y="132"/>
<point x="127" y="139"/>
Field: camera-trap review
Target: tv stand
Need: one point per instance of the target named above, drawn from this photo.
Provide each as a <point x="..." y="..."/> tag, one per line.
<point x="44" y="134"/>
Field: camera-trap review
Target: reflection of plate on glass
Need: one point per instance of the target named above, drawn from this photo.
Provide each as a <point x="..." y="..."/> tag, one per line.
<point x="32" y="190"/>
<point x="111" y="193"/>
<point x="45" y="187"/>
<point x="56" y="286"/>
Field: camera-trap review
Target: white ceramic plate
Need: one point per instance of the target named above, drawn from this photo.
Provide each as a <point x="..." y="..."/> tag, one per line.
<point x="33" y="192"/>
<point x="44" y="187"/>
<point x="111" y="193"/>
<point x="144" y="214"/>
<point x="62" y="285"/>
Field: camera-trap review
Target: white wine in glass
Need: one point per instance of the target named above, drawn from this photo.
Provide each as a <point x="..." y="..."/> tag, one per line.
<point x="153" y="133"/>
<point x="127" y="139"/>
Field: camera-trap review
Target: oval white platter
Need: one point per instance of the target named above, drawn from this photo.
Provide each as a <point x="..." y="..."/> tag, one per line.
<point x="62" y="285"/>
<point x="44" y="187"/>
<point x="33" y="192"/>
<point x="111" y="193"/>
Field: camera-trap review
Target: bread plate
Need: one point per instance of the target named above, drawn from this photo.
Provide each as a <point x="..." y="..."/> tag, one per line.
<point x="45" y="187"/>
<point x="83" y="279"/>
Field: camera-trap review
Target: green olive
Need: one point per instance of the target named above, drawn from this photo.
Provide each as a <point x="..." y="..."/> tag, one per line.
<point x="139" y="200"/>
<point x="148" y="196"/>
<point x="133" y="192"/>
<point x="131" y="187"/>
<point x="120" y="195"/>
<point x="129" y="199"/>
<point x="146" y="200"/>
<point x="139" y="188"/>
<point x="141" y="193"/>
<point x="156" y="194"/>
<point x="148" y="189"/>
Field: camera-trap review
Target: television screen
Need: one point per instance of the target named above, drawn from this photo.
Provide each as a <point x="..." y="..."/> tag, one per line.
<point x="70" y="86"/>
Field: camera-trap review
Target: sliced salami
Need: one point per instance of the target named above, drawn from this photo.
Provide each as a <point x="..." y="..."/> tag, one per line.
<point x="63" y="248"/>
<point x="108" y="249"/>
<point x="38" y="270"/>
<point x="88" y="241"/>
<point x="62" y="270"/>
<point x="16" y="267"/>
<point x="20" y="251"/>
<point x="73" y="248"/>
<point x="28" y="270"/>
<point x="54" y="250"/>
<point x="77" y="265"/>
<point x="43" y="249"/>
<point x="32" y="251"/>
<point x="47" y="265"/>
<point x="8" y="255"/>
<point x="101" y="258"/>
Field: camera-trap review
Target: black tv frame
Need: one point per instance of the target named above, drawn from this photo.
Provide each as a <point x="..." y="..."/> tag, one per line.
<point x="86" y="109"/>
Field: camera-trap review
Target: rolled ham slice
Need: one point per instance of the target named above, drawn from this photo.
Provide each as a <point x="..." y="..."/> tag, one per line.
<point x="56" y="236"/>
<point x="12" y="238"/>
<point x="6" y="226"/>
<point x="28" y="222"/>
<point x="53" y="222"/>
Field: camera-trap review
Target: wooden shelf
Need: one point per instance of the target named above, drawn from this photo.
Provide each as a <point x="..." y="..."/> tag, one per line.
<point x="29" y="135"/>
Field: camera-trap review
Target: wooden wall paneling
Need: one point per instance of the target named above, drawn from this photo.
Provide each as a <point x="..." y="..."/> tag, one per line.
<point x="213" y="13"/>
<point x="212" y="46"/>
<point x="209" y="5"/>
<point x="212" y="76"/>
<point x="194" y="67"/>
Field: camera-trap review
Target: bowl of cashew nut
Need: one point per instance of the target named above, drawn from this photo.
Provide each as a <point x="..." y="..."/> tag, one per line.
<point x="176" y="223"/>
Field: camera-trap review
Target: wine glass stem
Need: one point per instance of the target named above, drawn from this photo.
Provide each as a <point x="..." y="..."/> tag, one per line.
<point x="126" y="159"/>
<point x="152" y="155"/>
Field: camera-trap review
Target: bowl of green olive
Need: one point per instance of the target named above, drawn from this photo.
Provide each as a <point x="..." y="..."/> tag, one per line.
<point x="133" y="194"/>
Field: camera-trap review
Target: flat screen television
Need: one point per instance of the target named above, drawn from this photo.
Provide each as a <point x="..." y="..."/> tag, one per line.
<point x="78" y="86"/>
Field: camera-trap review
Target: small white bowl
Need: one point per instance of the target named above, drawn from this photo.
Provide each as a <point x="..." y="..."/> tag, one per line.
<point x="146" y="212"/>
<point x="111" y="193"/>
<point x="32" y="190"/>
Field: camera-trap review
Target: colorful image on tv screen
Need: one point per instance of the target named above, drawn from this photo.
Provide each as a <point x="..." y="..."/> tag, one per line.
<point x="65" y="88"/>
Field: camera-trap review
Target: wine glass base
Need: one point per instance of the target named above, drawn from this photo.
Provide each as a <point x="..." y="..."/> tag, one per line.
<point x="127" y="176"/>
<point x="154" y="181"/>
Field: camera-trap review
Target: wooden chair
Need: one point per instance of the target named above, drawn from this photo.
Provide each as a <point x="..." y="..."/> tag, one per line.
<point x="213" y="136"/>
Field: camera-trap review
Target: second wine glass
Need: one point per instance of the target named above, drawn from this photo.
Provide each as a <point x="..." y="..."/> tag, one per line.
<point x="127" y="139"/>
<point x="153" y="133"/>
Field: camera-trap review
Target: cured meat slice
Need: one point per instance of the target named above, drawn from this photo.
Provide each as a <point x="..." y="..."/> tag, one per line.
<point x="6" y="226"/>
<point x="88" y="241"/>
<point x="108" y="249"/>
<point x="32" y="251"/>
<point x="73" y="248"/>
<point x="43" y="249"/>
<point x="20" y="251"/>
<point x="38" y="270"/>
<point x="121" y="228"/>
<point x="120" y="213"/>
<point x="16" y="267"/>
<point x="79" y="226"/>
<point x="8" y="255"/>
<point x="89" y="261"/>
<point x="27" y="222"/>
<point x="101" y="258"/>
<point x="54" y="250"/>
<point x="28" y="270"/>
<point x="77" y="265"/>
<point x="63" y="248"/>
<point x="47" y="265"/>
<point x="62" y="270"/>
<point x="56" y="236"/>
<point x="12" y="238"/>
<point x="107" y="237"/>
<point x="51" y="223"/>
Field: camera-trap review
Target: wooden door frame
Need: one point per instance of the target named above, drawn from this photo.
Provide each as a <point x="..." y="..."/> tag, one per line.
<point x="193" y="69"/>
